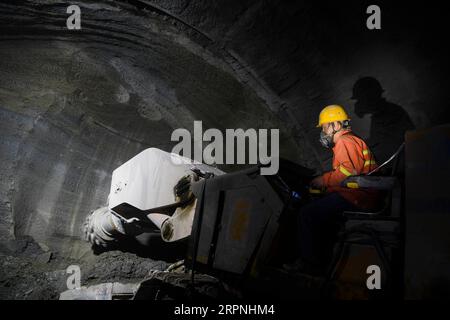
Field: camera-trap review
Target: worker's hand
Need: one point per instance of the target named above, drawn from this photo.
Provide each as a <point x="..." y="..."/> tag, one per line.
<point x="317" y="182"/>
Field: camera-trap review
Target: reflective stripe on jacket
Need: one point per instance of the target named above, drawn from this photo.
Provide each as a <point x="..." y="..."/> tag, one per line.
<point x="351" y="156"/>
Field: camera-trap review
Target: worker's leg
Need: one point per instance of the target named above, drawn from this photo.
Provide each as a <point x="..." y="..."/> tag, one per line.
<point x="319" y="223"/>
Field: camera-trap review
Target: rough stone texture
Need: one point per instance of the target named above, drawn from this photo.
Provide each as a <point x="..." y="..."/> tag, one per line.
<point x="29" y="273"/>
<point x="74" y="105"/>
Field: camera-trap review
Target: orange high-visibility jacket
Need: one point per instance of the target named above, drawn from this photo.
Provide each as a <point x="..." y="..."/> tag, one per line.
<point x="351" y="156"/>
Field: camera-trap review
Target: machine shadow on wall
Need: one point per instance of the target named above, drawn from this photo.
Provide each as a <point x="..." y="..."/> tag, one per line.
<point x="148" y="245"/>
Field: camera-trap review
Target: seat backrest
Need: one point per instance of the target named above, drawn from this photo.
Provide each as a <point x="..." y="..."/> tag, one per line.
<point x="396" y="193"/>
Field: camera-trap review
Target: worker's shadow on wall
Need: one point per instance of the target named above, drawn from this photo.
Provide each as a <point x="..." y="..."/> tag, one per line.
<point x="389" y="121"/>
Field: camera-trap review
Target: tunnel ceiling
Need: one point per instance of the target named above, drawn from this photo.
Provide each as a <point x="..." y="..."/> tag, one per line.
<point x="76" y="104"/>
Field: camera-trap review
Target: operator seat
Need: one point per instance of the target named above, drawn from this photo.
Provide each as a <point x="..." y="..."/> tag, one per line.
<point x="378" y="229"/>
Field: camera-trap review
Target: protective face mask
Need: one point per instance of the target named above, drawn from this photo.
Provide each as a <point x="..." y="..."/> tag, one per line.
<point x="326" y="140"/>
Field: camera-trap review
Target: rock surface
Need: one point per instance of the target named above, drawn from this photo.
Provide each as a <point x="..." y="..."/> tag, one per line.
<point x="27" y="273"/>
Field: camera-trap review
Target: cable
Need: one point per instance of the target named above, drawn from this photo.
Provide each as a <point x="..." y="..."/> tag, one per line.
<point x="388" y="160"/>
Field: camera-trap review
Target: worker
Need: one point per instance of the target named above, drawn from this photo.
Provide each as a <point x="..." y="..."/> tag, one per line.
<point x="320" y="220"/>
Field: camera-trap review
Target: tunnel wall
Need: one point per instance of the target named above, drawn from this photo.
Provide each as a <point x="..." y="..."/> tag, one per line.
<point x="311" y="54"/>
<point x="75" y="107"/>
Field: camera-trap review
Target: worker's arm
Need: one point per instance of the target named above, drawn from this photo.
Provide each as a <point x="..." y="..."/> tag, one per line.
<point x="350" y="162"/>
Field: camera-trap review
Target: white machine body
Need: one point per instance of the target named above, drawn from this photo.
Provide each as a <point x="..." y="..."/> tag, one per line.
<point x="147" y="181"/>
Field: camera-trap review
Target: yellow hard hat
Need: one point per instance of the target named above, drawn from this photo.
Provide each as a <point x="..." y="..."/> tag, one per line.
<point x="332" y="113"/>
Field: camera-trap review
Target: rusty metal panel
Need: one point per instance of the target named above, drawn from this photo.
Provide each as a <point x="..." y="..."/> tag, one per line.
<point x="243" y="221"/>
<point x="237" y="210"/>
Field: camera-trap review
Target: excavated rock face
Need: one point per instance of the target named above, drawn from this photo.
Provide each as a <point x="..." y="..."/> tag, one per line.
<point x="74" y="105"/>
